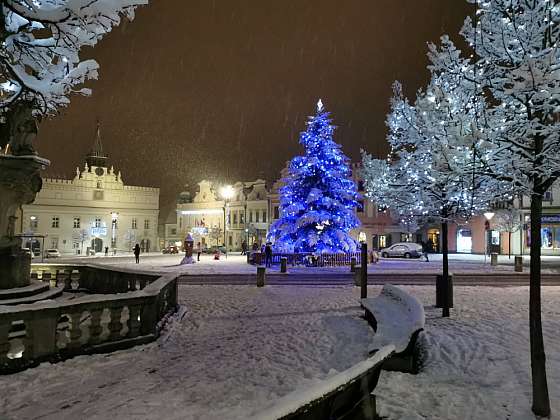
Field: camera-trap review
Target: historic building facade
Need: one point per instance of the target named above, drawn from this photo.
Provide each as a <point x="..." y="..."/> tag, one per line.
<point x="91" y="212"/>
<point x="214" y="220"/>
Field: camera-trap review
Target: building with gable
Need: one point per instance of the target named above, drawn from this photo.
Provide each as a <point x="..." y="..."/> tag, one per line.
<point x="93" y="211"/>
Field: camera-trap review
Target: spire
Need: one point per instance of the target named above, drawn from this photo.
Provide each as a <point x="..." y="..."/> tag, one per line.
<point x="96" y="157"/>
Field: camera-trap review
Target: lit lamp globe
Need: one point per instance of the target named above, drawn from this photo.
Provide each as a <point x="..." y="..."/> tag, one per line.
<point x="227" y="192"/>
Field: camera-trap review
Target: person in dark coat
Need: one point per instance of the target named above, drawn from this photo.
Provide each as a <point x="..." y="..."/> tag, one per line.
<point x="268" y="254"/>
<point x="425" y="250"/>
<point x="243" y="248"/>
<point x="106" y="250"/>
<point x="137" y="253"/>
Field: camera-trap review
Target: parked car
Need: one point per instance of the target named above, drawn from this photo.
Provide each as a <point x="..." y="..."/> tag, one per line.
<point x="52" y="253"/>
<point x="172" y="249"/>
<point x="28" y="251"/>
<point x="212" y="249"/>
<point x="402" y="249"/>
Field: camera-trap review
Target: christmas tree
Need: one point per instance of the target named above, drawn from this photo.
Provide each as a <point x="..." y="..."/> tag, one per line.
<point x="319" y="198"/>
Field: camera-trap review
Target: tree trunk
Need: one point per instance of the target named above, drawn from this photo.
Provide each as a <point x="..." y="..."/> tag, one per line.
<point x="445" y="252"/>
<point x="509" y="245"/>
<point x="541" y="402"/>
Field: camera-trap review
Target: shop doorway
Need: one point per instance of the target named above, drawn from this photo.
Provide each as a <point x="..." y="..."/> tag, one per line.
<point x="464" y="240"/>
<point x="97" y="244"/>
<point x="433" y="240"/>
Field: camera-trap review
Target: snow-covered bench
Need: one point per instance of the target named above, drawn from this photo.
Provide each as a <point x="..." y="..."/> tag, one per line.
<point x="346" y="395"/>
<point x="397" y="318"/>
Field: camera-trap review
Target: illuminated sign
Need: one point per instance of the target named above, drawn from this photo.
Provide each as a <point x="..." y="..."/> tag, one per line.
<point x="199" y="230"/>
<point x="98" y="231"/>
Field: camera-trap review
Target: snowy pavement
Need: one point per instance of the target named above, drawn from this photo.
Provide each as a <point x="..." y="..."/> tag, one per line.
<point x="238" y="348"/>
<point x="237" y="264"/>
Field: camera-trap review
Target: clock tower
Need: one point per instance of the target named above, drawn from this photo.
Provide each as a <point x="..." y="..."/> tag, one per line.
<point x="96" y="157"/>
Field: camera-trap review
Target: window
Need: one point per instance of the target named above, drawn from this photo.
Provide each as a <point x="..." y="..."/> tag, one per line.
<point x="276" y="212"/>
<point x="134" y="223"/>
<point x="264" y="216"/>
<point x="55" y="222"/>
<point x="33" y="222"/>
<point x="548" y="196"/>
<point x="174" y="231"/>
<point x="241" y="218"/>
<point x="97" y="222"/>
<point x="230" y="241"/>
<point x="382" y="241"/>
<point x="99" y="185"/>
<point x="251" y="216"/>
<point x="235" y="218"/>
<point x="257" y="216"/>
<point x="146" y="224"/>
<point x="76" y="222"/>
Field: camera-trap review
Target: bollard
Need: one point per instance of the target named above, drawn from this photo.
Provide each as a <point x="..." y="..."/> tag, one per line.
<point x="283" y="265"/>
<point x="444" y="292"/>
<point x="261" y="274"/>
<point x="494" y="258"/>
<point x="519" y="263"/>
<point x="363" y="272"/>
<point x="353" y="264"/>
<point x="357" y="275"/>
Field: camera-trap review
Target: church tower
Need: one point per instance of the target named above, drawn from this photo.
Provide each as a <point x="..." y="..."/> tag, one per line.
<point x="96" y="157"/>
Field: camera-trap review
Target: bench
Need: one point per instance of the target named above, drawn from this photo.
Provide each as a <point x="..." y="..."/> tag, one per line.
<point x="346" y="395"/>
<point x="397" y="318"/>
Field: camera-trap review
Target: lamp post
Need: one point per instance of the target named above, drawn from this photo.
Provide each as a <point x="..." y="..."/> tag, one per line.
<point x="114" y="218"/>
<point x="226" y="193"/>
<point x="488" y="216"/>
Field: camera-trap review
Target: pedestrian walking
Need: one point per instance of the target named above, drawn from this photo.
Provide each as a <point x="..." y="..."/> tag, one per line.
<point x="137" y="253"/>
<point x="425" y="251"/>
<point x="243" y="248"/>
<point x="106" y="251"/>
<point x="268" y="254"/>
<point x="198" y="250"/>
<point x="255" y="246"/>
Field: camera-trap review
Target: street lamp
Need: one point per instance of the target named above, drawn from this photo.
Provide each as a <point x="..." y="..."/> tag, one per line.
<point x="488" y="216"/>
<point x="226" y="193"/>
<point x="114" y="218"/>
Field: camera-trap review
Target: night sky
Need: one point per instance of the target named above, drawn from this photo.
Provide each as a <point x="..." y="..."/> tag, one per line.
<point x="220" y="89"/>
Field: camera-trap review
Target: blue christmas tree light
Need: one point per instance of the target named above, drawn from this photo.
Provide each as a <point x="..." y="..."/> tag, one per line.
<point x="319" y="198"/>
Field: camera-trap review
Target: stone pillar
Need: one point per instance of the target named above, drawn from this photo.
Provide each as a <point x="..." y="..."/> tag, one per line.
<point x="20" y="181"/>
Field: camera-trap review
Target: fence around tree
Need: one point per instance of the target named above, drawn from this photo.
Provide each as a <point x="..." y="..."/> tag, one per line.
<point x="307" y="259"/>
<point x="126" y="309"/>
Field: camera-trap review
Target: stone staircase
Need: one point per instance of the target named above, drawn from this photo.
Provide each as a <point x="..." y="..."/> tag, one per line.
<point x="36" y="291"/>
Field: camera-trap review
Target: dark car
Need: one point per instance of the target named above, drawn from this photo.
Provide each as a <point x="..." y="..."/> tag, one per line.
<point x="172" y="249"/>
<point x="213" y="249"/>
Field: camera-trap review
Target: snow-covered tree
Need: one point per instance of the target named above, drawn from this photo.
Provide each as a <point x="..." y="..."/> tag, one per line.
<point x="40" y="66"/>
<point x="319" y="198"/>
<point x="432" y="167"/>
<point x="517" y="60"/>
<point x="508" y="221"/>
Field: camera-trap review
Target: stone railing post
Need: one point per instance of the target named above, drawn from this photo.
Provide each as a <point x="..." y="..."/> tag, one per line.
<point x="134" y="320"/>
<point x="75" y="331"/>
<point x="95" y="328"/>
<point x="115" y="325"/>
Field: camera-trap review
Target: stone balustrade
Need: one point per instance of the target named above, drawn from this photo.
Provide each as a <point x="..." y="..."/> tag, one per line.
<point x="101" y="322"/>
<point x="91" y="278"/>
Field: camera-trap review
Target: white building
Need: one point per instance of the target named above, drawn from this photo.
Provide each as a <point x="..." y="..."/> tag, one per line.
<point x="94" y="210"/>
<point x="245" y="215"/>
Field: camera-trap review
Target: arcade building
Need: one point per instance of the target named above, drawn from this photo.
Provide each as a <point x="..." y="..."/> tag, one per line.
<point x="93" y="212"/>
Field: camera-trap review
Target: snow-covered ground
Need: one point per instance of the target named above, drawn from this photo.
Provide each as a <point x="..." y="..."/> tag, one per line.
<point x="237" y="264"/>
<point x="238" y="348"/>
